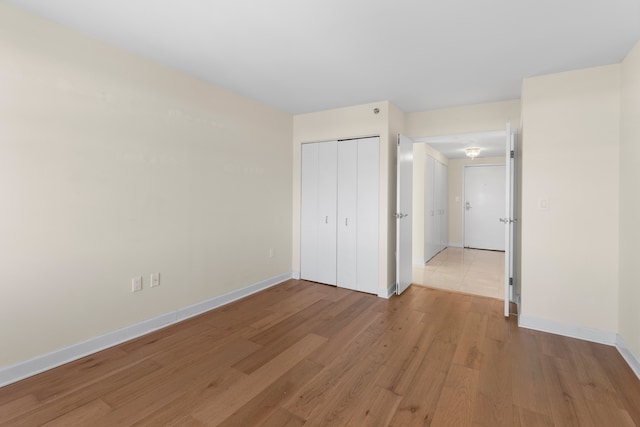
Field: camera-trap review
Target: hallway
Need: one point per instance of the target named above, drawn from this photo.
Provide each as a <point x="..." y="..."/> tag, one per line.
<point x="469" y="271"/>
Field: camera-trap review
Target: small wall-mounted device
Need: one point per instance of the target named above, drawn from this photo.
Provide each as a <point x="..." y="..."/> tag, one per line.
<point x="376" y="110"/>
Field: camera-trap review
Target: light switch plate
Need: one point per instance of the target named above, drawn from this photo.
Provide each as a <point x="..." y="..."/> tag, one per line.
<point x="155" y="279"/>
<point x="136" y="284"/>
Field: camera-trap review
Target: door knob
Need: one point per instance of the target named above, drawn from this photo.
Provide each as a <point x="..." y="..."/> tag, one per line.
<point x="467" y="206"/>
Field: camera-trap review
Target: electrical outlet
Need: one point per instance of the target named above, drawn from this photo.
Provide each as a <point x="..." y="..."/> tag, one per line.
<point x="136" y="284"/>
<point x="155" y="279"/>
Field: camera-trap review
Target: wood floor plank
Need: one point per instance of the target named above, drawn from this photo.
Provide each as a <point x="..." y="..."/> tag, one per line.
<point x="494" y="398"/>
<point x="185" y="400"/>
<point x="237" y="395"/>
<point x="457" y="401"/>
<point x="317" y="391"/>
<point x="523" y="417"/>
<point x="82" y="415"/>
<point x="283" y="327"/>
<point x="470" y="349"/>
<point x="420" y="401"/>
<point x="259" y="408"/>
<point x="282" y="418"/>
<point x="92" y="390"/>
<point x="375" y="409"/>
<point x="526" y="368"/>
<point x="622" y="378"/>
<point x="315" y="355"/>
<point x="567" y="402"/>
<point x="17" y="407"/>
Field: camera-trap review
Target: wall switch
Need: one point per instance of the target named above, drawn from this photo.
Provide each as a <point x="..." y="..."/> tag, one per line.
<point x="155" y="279"/>
<point x="543" y="204"/>
<point x="136" y="284"/>
<point x="272" y="252"/>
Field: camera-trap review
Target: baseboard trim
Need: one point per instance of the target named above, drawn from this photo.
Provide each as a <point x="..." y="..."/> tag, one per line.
<point x="455" y="245"/>
<point x="567" y="330"/>
<point x="628" y="355"/>
<point x="391" y="289"/>
<point x="76" y="351"/>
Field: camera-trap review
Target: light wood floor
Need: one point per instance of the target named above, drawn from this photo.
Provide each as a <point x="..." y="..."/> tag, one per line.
<point x="308" y="354"/>
<point x="471" y="271"/>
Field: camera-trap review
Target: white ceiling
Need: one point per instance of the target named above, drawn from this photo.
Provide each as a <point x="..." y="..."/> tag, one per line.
<point x="308" y="55"/>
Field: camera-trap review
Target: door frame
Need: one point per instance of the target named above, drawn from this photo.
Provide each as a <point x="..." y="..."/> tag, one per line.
<point x="510" y="135"/>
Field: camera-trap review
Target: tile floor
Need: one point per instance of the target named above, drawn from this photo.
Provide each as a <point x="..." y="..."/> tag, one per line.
<point x="470" y="271"/>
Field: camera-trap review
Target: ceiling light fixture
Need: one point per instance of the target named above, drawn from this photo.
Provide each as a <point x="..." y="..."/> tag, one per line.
<point x="472" y="152"/>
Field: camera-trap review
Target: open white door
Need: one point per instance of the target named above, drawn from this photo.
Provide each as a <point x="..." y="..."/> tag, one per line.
<point x="509" y="219"/>
<point x="403" y="209"/>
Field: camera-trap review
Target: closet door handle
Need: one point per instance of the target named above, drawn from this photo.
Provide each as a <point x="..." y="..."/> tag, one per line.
<point x="346" y="222"/>
<point x="326" y="219"/>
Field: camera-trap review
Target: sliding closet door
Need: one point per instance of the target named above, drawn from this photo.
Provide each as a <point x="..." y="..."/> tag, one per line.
<point x="367" y="216"/>
<point x="327" y="209"/>
<point x="347" y="209"/>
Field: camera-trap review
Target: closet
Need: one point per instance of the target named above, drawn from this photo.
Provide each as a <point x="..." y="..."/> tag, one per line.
<point x="436" y="224"/>
<point x="339" y="213"/>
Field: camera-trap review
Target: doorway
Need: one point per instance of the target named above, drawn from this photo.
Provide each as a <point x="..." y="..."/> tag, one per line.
<point x="505" y="144"/>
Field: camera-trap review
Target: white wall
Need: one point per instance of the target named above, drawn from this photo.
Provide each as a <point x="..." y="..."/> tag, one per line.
<point x="570" y="251"/>
<point x="629" y="317"/>
<point x="112" y="166"/>
<point x="343" y="123"/>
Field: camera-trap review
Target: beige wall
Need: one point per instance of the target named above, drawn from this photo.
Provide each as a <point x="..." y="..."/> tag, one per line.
<point x="570" y="251"/>
<point x="456" y="187"/>
<point x="629" y="202"/>
<point x="470" y="118"/>
<point x="111" y="167"/>
<point x="343" y="123"/>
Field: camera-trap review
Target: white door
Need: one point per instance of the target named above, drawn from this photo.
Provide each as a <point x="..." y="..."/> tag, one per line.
<point x="368" y="202"/>
<point x="347" y="203"/>
<point x="403" y="209"/>
<point x="484" y="202"/>
<point x="509" y="218"/>
<point x="327" y="208"/>
<point x="309" y="213"/>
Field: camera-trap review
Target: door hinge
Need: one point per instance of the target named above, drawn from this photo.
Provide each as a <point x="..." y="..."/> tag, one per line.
<point x="513" y="154"/>
<point x="510" y="281"/>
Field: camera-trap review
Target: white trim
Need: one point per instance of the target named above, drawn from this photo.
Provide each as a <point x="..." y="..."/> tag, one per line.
<point x="454" y="245"/>
<point x="628" y="355"/>
<point x="455" y="137"/>
<point x="567" y="330"/>
<point x="419" y="262"/>
<point x="38" y="364"/>
<point x="295" y="275"/>
<point x="391" y="289"/>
